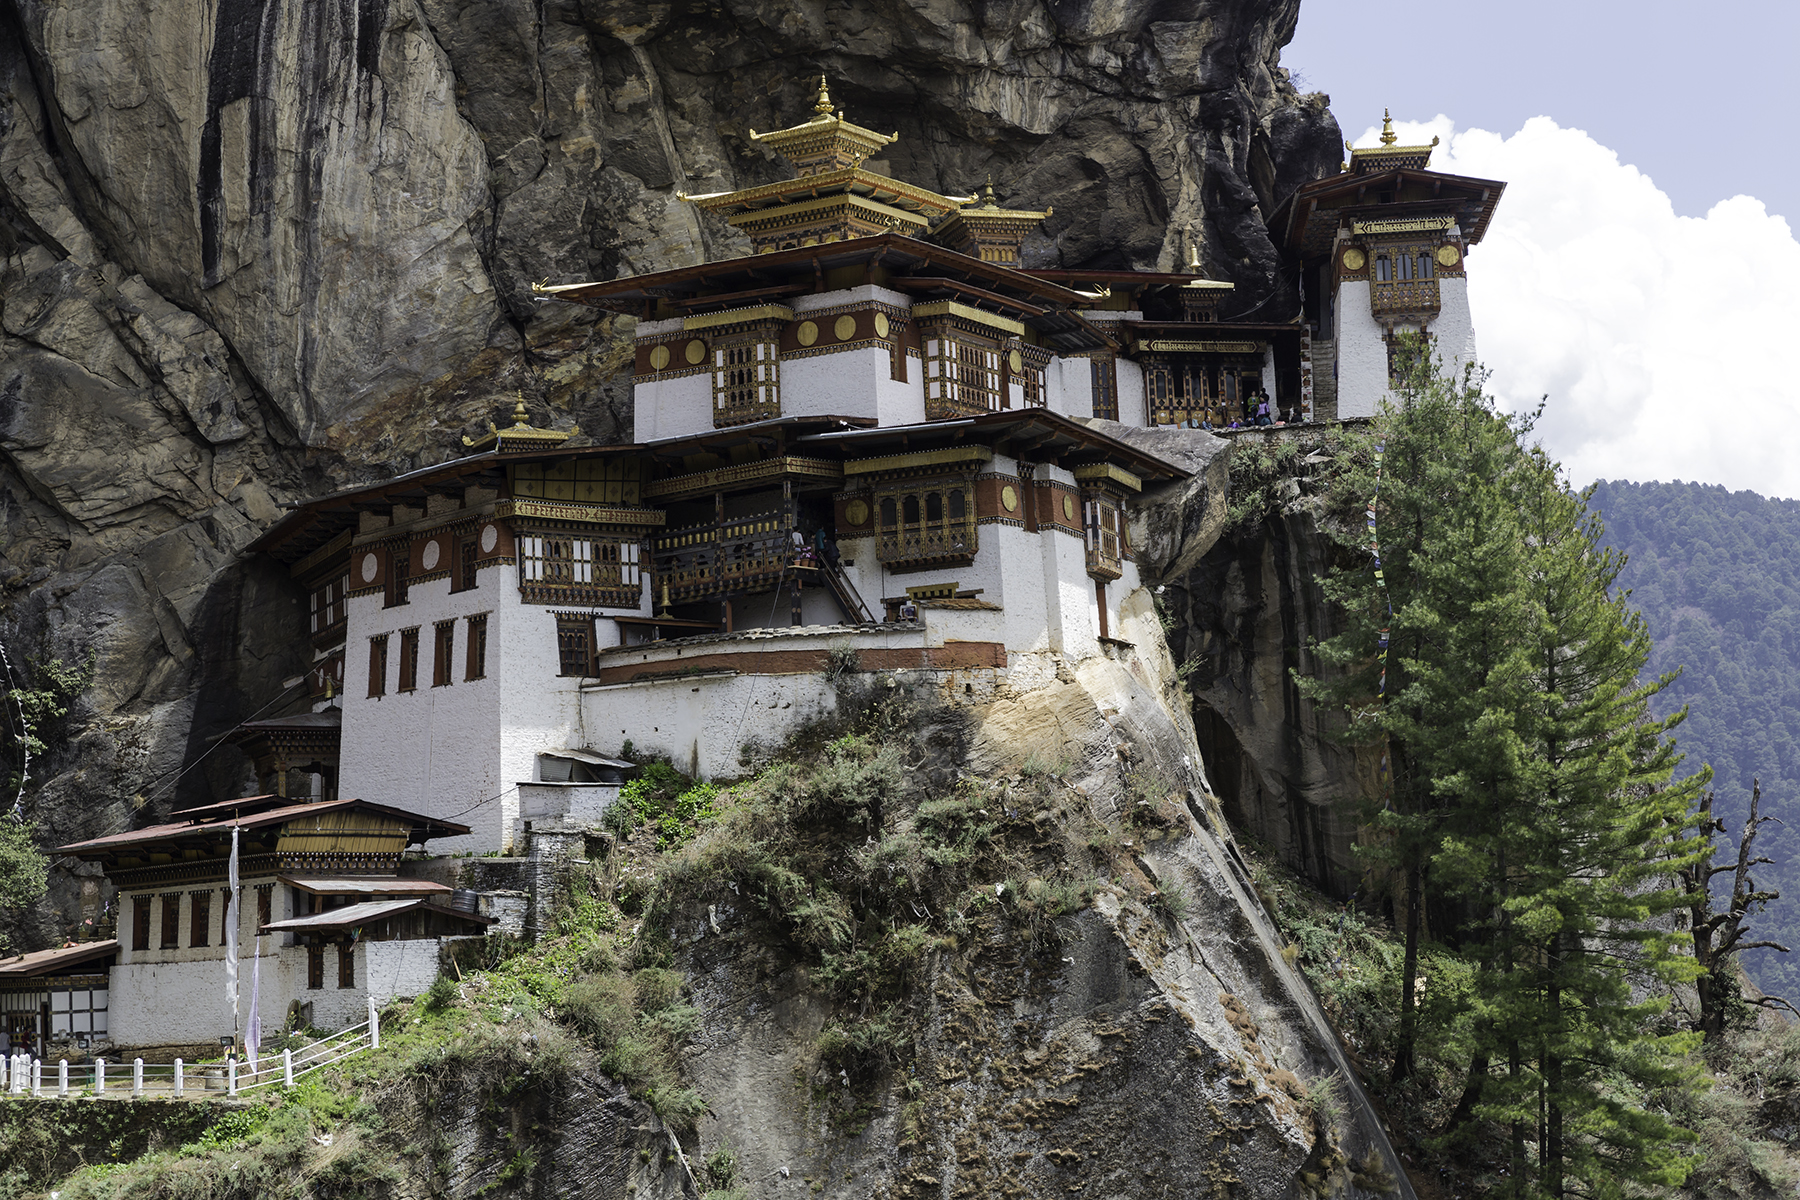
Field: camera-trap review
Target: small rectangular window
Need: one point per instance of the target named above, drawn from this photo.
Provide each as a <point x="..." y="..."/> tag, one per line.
<point x="466" y="574"/>
<point x="1106" y="389"/>
<point x="346" y="966"/>
<point x="315" y="968"/>
<point x="476" y="649"/>
<point x="378" y="665"/>
<point x="171" y="920"/>
<point x="397" y="555"/>
<point x="199" y="918"/>
<point x="265" y="904"/>
<point x="226" y="917"/>
<point x="409" y="660"/>
<point x="574" y="644"/>
<point x="443" y="644"/>
<point x="140" y="922"/>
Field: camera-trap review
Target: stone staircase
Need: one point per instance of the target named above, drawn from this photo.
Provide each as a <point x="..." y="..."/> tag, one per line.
<point x="1324" y="381"/>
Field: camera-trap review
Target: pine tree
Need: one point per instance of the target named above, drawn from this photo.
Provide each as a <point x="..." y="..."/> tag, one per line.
<point x="1530" y="808"/>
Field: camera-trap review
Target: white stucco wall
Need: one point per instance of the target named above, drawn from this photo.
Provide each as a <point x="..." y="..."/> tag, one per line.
<point x="849" y="383"/>
<point x="457" y="752"/>
<point x="1069" y="387"/>
<point x="1134" y="408"/>
<point x="670" y="406"/>
<point x="173" y="1003"/>
<point x="700" y="723"/>
<point x="1362" y="371"/>
<point x="1454" y="329"/>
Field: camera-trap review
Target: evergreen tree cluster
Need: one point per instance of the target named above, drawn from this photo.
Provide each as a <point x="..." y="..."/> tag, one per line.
<point x="1529" y="821"/>
<point x="1716" y="574"/>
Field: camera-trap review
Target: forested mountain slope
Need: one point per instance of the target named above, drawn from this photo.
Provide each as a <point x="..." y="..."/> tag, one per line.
<point x="1716" y="573"/>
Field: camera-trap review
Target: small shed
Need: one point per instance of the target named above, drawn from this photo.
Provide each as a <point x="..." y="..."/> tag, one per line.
<point x="56" y="995"/>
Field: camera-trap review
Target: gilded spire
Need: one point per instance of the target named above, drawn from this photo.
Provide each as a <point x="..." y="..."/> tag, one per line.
<point x="1388" y="136"/>
<point x="823" y="107"/>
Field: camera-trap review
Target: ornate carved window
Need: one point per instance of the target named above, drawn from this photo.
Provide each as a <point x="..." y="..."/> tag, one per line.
<point x="315" y="967"/>
<point x="1183" y="392"/>
<point x="1026" y="364"/>
<point x="1405" y="281"/>
<point x="926" y="522"/>
<point x="1103" y="525"/>
<point x="346" y="965"/>
<point x="962" y="374"/>
<point x="746" y="377"/>
<point x="567" y="568"/>
<point x="466" y="576"/>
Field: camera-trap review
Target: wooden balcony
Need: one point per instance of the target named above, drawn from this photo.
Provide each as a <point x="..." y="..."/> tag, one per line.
<point x="1403" y="297"/>
<point x="712" y="560"/>
<point x="929" y="543"/>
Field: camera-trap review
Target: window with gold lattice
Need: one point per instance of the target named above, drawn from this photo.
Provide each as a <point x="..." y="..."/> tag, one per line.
<point x="962" y="374"/>
<point x="925" y="522"/>
<point x="559" y="568"/>
<point x="746" y="378"/>
<point x="1103" y="526"/>
<point x="1027" y="365"/>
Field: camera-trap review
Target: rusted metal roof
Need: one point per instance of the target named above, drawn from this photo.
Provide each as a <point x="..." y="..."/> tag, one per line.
<point x="57" y="961"/>
<point x="209" y="823"/>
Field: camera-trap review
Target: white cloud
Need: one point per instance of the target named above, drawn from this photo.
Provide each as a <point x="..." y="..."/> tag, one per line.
<point x="1665" y="343"/>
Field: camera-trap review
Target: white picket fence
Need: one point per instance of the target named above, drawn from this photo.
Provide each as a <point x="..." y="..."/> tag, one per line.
<point x="23" y="1075"/>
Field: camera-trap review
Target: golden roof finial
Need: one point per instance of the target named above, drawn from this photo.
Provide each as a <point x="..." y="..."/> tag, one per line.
<point x="1388" y="136"/>
<point x="521" y="418"/>
<point x="823" y="107"/>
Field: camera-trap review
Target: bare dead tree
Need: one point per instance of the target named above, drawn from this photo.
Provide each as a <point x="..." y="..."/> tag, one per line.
<point x="1719" y="935"/>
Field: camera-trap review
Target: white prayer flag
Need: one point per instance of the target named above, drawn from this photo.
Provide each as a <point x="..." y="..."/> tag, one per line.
<point x="253" y="1026"/>
<point x="231" y="928"/>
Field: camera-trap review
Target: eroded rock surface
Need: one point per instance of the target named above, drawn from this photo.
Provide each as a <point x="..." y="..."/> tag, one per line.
<point x="257" y="249"/>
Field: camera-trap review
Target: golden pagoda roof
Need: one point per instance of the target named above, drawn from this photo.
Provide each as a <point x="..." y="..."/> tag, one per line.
<point x="522" y="435"/>
<point x="857" y="181"/>
<point x="1387" y="156"/>
<point x="824" y="132"/>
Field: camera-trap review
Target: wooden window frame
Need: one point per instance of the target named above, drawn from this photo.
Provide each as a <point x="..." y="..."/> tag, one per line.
<point x="378" y="657"/>
<point x="574" y="645"/>
<point x="963" y="373"/>
<point x="315" y="967"/>
<point x="409" y="660"/>
<point x="443" y="652"/>
<point x="746" y="376"/>
<point x="140" y="923"/>
<point x="265" y="904"/>
<point x="395" y="587"/>
<point x="1106" y="387"/>
<point x="475" y="648"/>
<point x="171" y="921"/>
<point x="346" y="965"/>
<point x="199" y="919"/>
<point x="906" y="534"/>
<point x="468" y="566"/>
<point x="585" y="568"/>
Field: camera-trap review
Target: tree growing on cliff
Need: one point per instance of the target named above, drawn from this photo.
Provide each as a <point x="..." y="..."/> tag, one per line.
<point x="1529" y="809"/>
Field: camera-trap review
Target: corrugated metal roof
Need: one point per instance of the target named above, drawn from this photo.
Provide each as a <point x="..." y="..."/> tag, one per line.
<point x="350" y="914"/>
<point x="274" y="816"/>
<point x="58" y="960"/>
<point x="365" y="885"/>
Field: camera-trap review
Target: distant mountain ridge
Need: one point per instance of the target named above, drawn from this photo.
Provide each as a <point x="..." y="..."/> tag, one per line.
<point x="1716" y="574"/>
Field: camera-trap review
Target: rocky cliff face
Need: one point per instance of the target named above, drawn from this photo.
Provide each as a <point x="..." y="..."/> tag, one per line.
<point x="255" y="249"/>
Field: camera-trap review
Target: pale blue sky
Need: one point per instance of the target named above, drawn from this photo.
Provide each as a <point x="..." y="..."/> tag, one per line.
<point x="1700" y="97"/>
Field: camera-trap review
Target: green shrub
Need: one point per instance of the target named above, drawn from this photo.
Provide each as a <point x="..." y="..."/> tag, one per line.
<point x="440" y="995"/>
